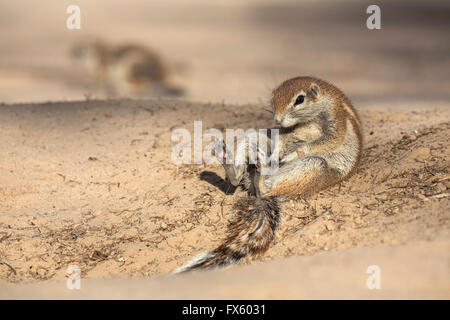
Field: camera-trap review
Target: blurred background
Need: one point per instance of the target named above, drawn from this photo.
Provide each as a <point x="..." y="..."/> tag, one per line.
<point x="233" y="51"/>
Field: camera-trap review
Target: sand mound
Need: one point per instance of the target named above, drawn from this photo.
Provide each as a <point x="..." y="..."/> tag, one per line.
<point x="92" y="184"/>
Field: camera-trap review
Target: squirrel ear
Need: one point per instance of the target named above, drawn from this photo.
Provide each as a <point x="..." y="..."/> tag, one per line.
<point x="313" y="91"/>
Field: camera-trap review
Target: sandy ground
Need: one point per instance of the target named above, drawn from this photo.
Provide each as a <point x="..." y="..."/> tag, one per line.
<point x="92" y="184"/>
<point x="415" y="271"/>
<point x="88" y="180"/>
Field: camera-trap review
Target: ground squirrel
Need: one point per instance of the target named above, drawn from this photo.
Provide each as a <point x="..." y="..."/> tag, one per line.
<point x="125" y="69"/>
<point x="320" y="144"/>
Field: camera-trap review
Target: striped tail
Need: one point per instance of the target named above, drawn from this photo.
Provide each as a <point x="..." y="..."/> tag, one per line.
<point x="250" y="233"/>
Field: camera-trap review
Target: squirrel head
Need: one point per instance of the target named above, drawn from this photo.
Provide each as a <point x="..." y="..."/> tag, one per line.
<point x="298" y="100"/>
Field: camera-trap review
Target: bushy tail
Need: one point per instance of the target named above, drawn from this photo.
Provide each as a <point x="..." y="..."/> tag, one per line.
<point x="250" y="233"/>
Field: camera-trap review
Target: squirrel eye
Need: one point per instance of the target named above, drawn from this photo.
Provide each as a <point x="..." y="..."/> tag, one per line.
<point x="299" y="100"/>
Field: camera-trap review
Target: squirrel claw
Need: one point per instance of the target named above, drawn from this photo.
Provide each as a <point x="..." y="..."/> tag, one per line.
<point x="219" y="149"/>
<point x="262" y="157"/>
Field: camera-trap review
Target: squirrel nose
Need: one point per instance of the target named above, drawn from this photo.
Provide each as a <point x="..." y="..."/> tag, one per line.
<point x="277" y="119"/>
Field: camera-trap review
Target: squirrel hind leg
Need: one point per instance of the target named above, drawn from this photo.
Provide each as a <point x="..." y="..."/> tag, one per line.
<point x="236" y="174"/>
<point x="238" y="171"/>
<point x="300" y="177"/>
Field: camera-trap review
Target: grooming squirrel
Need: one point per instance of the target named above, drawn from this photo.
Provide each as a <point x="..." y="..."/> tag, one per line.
<point x="319" y="144"/>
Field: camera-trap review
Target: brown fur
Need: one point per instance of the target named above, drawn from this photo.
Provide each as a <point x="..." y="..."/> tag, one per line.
<point x="320" y="144"/>
<point x="250" y="233"/>
<point x="341" y="111"/>
<point x="282" y="95"/>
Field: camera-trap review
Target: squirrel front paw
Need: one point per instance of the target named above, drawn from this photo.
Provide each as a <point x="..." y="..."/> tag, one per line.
<point x="264" y="185"/>
<point x="221" y="153"/>
<point x="262" y="159"/>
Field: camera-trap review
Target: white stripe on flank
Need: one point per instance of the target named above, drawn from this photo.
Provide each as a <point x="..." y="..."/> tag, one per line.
<point x="351" y="112"/>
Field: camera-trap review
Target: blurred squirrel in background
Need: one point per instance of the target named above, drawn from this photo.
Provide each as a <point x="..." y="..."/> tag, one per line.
<point x="127" y="69"/>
